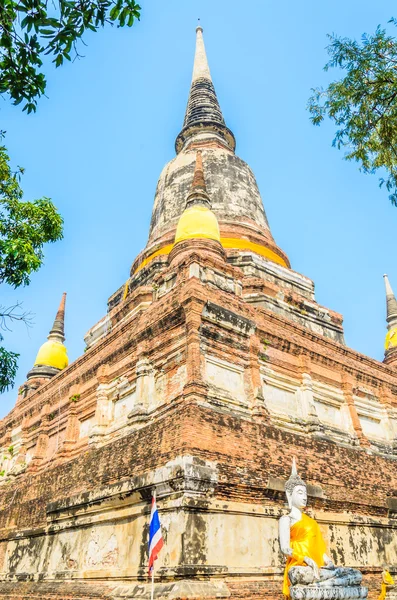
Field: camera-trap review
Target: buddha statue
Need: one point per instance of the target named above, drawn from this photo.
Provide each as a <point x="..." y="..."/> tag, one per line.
<point x="387" y="580"/>
<point x="310" y="573"/>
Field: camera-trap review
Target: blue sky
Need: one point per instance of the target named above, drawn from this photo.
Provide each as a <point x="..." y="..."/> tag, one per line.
<point x="99" y="141"/>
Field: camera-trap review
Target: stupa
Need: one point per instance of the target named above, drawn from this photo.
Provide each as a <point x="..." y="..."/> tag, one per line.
<point x="212" y="367"/>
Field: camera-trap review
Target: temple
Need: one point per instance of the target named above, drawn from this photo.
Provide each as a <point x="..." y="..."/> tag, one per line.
<point x="213" y="366"/>
<point x="391" y="318"/>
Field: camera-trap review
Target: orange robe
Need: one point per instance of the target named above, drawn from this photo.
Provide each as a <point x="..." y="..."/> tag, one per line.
<point x="387" y="579"/>
<point x="305" y="540"/>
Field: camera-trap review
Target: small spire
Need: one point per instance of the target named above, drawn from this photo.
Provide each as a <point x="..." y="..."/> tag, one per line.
<point x="391" y="318"/>
<point x="52" y="356"/>
<point x="58" y="329"/>
<point x="197" y="220"/>
<point x="203" y="113"/>
<point x="391" y="304"/>
<point x="198" y="177"/>
<point x="198" y="192"/>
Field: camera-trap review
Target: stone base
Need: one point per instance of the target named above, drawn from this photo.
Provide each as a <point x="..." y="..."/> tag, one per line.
<point x="176" y="590"/>
<point x="104" y="590"/>
<point x="391" y="592"/>
<point x="318" y="592"/>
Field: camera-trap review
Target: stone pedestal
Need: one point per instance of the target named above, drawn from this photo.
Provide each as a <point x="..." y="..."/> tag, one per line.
<point x="339" y="583"/>
<point x="318" y="592"/>
<point x="391" y="592"/>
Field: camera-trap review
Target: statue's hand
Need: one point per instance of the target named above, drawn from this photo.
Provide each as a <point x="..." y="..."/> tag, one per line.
<point x="328" y="563"/>
<point x="311" y="563"/>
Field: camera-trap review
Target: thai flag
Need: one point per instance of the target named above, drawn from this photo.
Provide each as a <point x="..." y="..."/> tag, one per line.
<point x="155" y="537"/>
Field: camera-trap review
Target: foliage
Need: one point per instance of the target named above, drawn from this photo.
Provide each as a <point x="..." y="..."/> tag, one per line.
<point x="24" y="228"/>
<point x="363" y="103"/>
<point x="8" y="368"/>
<point x="11" y="450"/>
<point x="74" y="398"/>
<point x="30" y="29"/>
<point x="263" y="355"/>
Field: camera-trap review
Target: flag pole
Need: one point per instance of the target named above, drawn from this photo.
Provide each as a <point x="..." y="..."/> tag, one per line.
<point x="152" y="592"/>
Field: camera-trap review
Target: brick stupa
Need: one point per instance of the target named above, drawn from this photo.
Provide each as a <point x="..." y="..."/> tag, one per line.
<point x="212" y="368"/>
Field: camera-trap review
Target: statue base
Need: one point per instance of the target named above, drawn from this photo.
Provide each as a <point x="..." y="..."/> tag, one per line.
<point x="391" y="592"/>
<point x="339" y="583"/>
<point x="338" y="592"/>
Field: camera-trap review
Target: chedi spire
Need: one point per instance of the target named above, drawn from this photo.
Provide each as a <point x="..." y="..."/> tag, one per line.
<point x="52" y="356"/>
<point x="198" y="221"/>
<point x="391" y="318"/>
<point x="203" y="114"/>
<point x="228" y="187"/>
<point x="198" y="193"/>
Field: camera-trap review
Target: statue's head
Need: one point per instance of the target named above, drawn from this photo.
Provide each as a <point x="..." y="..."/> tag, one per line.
<point x="295" y="489"/>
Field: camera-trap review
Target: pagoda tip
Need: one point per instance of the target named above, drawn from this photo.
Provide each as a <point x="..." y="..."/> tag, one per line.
<point x="203" y="113"/>
<point x="58" y="328"/>
<point x="389" y="290"/>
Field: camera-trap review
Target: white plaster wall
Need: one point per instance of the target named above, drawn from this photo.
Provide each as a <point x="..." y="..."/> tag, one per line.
<point x="123" y="406"/>
<point x="371" y="427"/>
<point x="240" y="537"/>
<point x="86" y="427"/>
<point x="373" y="417"/>
<point x="226" y="376"/>
<point x="362" y="545"/>
<point x="241" y="541"/>
<point x="329" y="414"/>
<point x="281" y="400"/>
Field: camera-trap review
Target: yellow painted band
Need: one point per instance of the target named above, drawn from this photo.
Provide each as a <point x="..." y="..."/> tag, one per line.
<point x="240" y="244"/>
<point x="391" y="339"/>
<point x="160" y="252"/>
<point x="230" y="243"/>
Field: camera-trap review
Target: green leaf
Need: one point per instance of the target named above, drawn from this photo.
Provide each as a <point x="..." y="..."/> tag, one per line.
<point x="362" y="103"/>
<point x="8" y="369"/>
<point x="114" y="13"/>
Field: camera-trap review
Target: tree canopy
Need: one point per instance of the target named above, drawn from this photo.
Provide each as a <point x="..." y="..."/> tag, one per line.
<point x="29" y="31"/>
<point x="24" y="229"/>
<point x="363" y="103"/>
